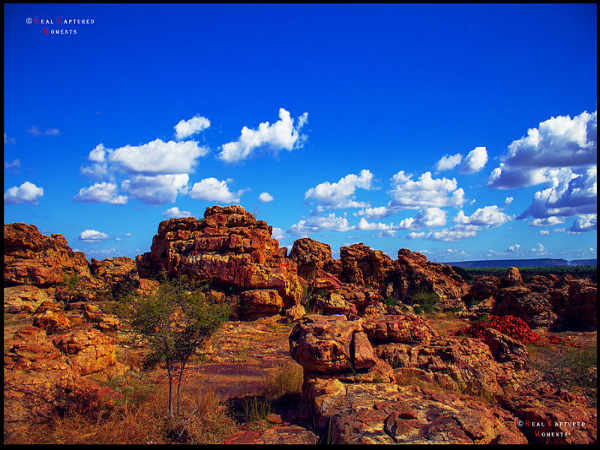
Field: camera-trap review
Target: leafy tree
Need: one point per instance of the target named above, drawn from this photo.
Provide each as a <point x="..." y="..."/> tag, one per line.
<point x="176" y="323"/>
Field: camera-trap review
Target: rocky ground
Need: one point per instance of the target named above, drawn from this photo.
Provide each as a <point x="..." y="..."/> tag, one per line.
<point x="362" y="349"/>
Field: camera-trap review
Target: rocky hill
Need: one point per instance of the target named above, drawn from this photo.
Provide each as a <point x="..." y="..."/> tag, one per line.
<point x="373" y="370"/>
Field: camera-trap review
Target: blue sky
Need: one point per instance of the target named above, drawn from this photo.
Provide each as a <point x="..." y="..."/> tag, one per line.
<point x="465" y="132"/>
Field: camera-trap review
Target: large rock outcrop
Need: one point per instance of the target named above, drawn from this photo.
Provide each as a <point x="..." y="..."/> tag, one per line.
<point x="33" y="258"/>
<point x="230" y="249"/>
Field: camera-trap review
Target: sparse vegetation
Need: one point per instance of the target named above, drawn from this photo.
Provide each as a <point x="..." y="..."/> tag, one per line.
<point x="286" y="381"/>
<point x="391" y="301"/>
<point x="424" y="302"/>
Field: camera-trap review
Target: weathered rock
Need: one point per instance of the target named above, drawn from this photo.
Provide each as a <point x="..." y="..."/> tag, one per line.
<point x="23" y="299"/>
<point x="512" y="277"/>
<point x="579" y="310"/>
<point x="35" y="259"/>
<point x="260" y="302"/>
<point x="311" y="256"/>
<point x="295" y="312"/>
<point x="323" y="343"/>
<point x="415" y="274"/>
<point x="363" y="266"/>
<point x="114" y="271"/>
<point x="228" y="248"/>
<point x="401" y="328"/>
<point x="518" y="301"/>
<point x="278" y="434"/>
<point x="483" y="289"/>
<point x="553" y="417"/>
<point x="334" y="304"/>
<point x="52" y="321"/>
<point x="384" y="413"/>
<point x="89" y="351"/>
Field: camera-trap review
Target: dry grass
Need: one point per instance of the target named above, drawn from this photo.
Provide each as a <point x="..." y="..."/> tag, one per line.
<point x="141" y="420"/>
<point x="288" y="380"/>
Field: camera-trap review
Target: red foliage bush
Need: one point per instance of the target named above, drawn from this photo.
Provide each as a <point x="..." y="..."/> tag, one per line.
<point x="511" y="326"/>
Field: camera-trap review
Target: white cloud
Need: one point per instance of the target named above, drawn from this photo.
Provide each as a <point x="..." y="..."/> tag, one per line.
<point x="475" y="160"/>
<point x="340" y="194"/>
<point x="35" y="131"/>
<point x="547" y="221"/>
<point x="540" y="249"/>
<point x="584" y="222"/>
<point x="486" y="217"/>
<point x="176" y="213"/>
<point x="214" y="190"/>
<point x="12" y="164"/>
<point x="424" y="192"/>
<point x="98" y="153"/>
<point x="545" y="232"/>
<point x="448" y="162"/>
<point x="8" y="140"/>
<point x="278" y="233"/>
<point x="186" y="128"/>
<point x="513" y="248"/>
<point x="128" y="235"/>
<point x="365" y="225"/>
<point x="26" y="193"/>
<point x="158" y="157"/>
<point x="377" y="212"/>
<point x="101" y="193"/>
<point x="156" y="189"/>
<point x="319" y="223"/>
<point x="92" y="235"/>
<point x="445" y="235"/>
<point x="265" y="197"/>
<point x="571" y="193"/>
<point x="281" y="135"/>
<point x="508" y="200"/>
<point x="558" y="142"/>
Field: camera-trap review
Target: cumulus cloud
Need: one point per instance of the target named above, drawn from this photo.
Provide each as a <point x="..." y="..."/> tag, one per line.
<point x="446" y="235"/>
<point x="366" y="225"/>
<point x="377" y="212"/>
<point x="508" y="200"/>
<point x="26" y="193"/>
<point x="558" y="142"/>
<point x="486" y="217"/>
<point x="176" y="213"/>
<point x="92" y="236"/>
<point x="158" y="157"/>
<point x="475" y="160"/>
<point x="265" y="197"/>
<point x="584" y="222"/>
<point x="424" y="192"/>
<point x="278" y="233"/>
<point x="544" y="232"/>
<point x="513" y="248"/>
<point x="281" y="135"/>
<point x="448" y="162"/>
<point x="214" y="190"/>
<point x="186" y="128"/>
<point x="547" y="221"/>
<point x="101" y="193"/>
<point x="570" y="193"/>
<point x="156" y="189"/>
<point x="319" y="223"/>
<point x="340" y="194"/>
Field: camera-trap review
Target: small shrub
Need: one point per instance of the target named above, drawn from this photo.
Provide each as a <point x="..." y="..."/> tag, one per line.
<point x="287" y="381"/>
<point x="391" y="301"/>
<point x="426" y="300"/>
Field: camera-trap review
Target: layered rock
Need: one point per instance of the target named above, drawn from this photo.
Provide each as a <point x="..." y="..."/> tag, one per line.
<point x="311" y="256"/>
<point x="39" y="260"/>
<point x="519" y="301"/>
<point x="229" y="248"/>
<point x="577" y="307"/>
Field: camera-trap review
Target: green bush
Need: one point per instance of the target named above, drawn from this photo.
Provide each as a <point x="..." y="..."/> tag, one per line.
<point x="426" y="301"/>
<point x="391" y="301"/>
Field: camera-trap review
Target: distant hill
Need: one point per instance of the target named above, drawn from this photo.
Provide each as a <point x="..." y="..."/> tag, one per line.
<point x="583" y="262"/>
<point x="537" y="262"/>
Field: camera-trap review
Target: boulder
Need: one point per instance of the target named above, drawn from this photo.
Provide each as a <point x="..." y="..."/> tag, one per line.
<point x="23" y="299"/>
<point x="401" y="328"/>
<point x="519" y="301"/>
<point x="310" y="256"/>
<point x="260" y="302"/>
<point x="229" y="248"/>
<point x="512" y="277"/>
<point x="39" y="260"/>
<point x="578" y="311"/>
<point x="52" y="321"/>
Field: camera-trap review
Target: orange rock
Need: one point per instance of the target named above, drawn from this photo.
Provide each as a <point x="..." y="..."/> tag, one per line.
<point x="52" y="321"/>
